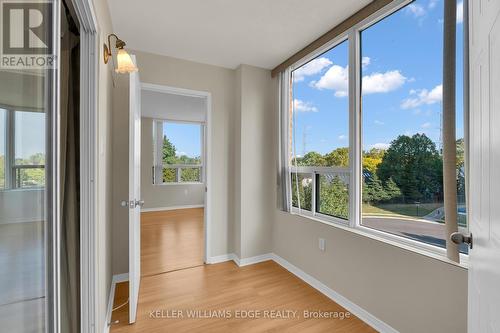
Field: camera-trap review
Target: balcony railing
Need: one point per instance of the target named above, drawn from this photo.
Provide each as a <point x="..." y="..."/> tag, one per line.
<point x="182" y="173"/>
<point x="322" y="191"/>
<point x="28" y="176"/>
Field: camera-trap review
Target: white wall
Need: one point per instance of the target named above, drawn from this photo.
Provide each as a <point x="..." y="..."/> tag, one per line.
<point x="163" y="195"/>
<point x="162" y="105"/>
<point x="406" y="290"/>
<point x="17" y="206"/>
<point x="254" y="161"/>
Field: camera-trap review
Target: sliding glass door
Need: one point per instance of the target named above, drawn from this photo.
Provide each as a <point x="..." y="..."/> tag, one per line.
<point x="28" y="236"/>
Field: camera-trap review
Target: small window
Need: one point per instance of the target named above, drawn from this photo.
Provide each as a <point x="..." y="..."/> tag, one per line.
<point x="29" y="157"/>
<point x="178" y="152"/>
<point x="22" y="149"/>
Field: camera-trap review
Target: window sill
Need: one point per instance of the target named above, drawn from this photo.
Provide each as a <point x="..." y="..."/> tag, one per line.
<point x="26" y="189"/>
<point x="407" y="244"/>
<point x="180" y="183"/>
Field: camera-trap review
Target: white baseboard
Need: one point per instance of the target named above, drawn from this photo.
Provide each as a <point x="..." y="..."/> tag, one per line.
<point x="238" y="261"/>
<point x="356" y="310"/>
<point x="116" y="279"/>
<point x="254" y="260"/>
<point x="158" y="209"/>
<point x="222" y="258"/>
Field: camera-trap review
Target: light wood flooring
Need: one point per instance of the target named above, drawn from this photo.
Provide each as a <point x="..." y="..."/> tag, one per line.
<point x="171" y="240"/>
<point x="166" y="300"/>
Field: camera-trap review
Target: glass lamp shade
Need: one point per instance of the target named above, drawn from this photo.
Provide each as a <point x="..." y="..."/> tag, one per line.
<point x="124" y="62"/>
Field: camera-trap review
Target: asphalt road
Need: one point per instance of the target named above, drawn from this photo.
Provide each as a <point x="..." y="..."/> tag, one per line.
<point x="425" y="231"/>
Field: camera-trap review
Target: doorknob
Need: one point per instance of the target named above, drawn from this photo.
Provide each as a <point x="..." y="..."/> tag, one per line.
<point x="130" y="204"/>
<point x="139" y="203"/>
<point x="459" y="238"/>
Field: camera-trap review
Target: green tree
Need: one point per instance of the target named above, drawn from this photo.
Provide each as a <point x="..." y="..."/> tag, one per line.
<point x="392" y="190"/>
<point x="301" y="188"/>
<point x="311" y="159"/>
<point x="338" y="157"/>
<point x="415" y="165"/>
<point x="372" y="159"/>
<point x="168" y="150"/>
<point x="461" y="171"/>
<point x="373" y="190"/>
<point x="333" y="197"/>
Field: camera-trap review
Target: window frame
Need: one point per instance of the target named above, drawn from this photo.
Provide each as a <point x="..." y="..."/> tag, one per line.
<point x="10" y="166"/>
<point x="157" y="177"/>
<point x="353" y="224"/>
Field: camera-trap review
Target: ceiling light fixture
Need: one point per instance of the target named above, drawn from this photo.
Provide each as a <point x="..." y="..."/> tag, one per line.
<point x="123" y="59"/>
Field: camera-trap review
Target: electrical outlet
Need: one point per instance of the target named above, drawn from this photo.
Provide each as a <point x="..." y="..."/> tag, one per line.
<point x="321" y="244"/>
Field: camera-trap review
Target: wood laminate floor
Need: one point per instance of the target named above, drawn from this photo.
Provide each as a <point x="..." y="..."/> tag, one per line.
<point x="216" y="298"/>
<point x="171" y="240"/>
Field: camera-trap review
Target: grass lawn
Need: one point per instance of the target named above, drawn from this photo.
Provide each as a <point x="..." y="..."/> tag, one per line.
<point x="401" y="209"/>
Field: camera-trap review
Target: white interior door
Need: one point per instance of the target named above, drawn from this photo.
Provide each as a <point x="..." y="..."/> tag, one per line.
<point x="484" y="260"/>
<point x="135" y="202"/>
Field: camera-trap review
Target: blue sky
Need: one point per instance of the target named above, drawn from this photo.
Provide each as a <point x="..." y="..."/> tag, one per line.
<point x="185" y="137"/>
<point x="402" y="76"/>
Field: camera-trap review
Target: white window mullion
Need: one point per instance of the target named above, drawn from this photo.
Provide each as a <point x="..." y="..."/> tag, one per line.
<point x="354" y="129"/>
<point x="313" y="194"/>
<point x="10" y="172"/>
<point x="158" y="151"/>
<point x="178" y="174"/>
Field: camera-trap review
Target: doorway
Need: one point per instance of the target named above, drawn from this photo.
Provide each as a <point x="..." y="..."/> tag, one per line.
<point x="174" y="164"/>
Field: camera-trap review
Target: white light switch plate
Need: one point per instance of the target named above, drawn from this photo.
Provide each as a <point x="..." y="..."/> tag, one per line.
<point x="321" y="244"/>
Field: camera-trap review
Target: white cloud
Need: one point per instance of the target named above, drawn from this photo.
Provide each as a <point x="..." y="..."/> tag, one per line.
<point x="365" y="61"/>
<point x="336" y="79"/>
<point x="181" y="153"/>
<point x="433" y="3"/>
<point x="416" y="9"/>
<point x="460" y="12"/>
<point x="382" y="82"/>
<point x="378" y="122"/>
<point x="313" y="67"/>
<point x="423" y="97"/>
<point x="426" y="125"/>
<point x="381" y="145"/>
<point x="342" y="137"/>
<point x="301" y="106"/>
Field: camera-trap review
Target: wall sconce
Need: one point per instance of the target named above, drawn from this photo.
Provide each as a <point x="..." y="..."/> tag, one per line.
<point x="123" y="59"/>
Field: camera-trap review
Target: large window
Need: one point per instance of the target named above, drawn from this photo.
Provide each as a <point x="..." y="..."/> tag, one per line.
<point x="402" y="126"/>
<point x="22" y="153"/>
<point x="320" y="135"/>
<point x="178" y="152"/>
<point x="374" y="161"/>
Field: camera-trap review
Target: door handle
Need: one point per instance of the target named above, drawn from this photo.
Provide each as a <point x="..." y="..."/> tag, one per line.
<point x="130" y="204"/>
<point x="459" y="238"/>
<point x="139" y="203"/>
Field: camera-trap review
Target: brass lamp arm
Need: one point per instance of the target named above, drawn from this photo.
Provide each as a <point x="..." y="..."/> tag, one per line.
<point x="120" y="44"/>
